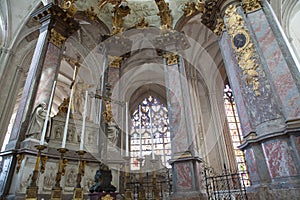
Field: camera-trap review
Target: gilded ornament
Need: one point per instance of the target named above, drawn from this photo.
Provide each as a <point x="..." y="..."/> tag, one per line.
<point x="107" y="114"/>
<point x="164" y="13"/>
<point x="244" y="48"/>
<point x="200" y="6"/>
<point x="251" y="5"/>
<point x="189" y="8"/>
<point x="90" y="13"/>
<point x="43" y="163"/>
<point x="115" y="61"/>
<point x="69" y="7"/>
<point x="56" y="38"/>
<point x="107" y="197"/>
<point x="20" y="158"/>
<point x="142" y="24"/>
<point x="171" y="58"/>
<point x="120" y="11"/>
<point x="220" y="27"/>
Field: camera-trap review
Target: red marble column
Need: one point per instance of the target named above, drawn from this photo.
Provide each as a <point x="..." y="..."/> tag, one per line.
<point x="270" y="118"/>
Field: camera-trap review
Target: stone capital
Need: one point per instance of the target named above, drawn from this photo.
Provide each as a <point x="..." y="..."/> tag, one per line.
<point x="52" y="17"/>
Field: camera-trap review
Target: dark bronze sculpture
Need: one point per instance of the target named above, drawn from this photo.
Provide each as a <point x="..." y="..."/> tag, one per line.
<point x="103" y="180"/>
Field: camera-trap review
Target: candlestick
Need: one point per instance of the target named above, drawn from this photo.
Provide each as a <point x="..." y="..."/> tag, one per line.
<point x="47" y="115"/>
<point x="127" y="131"/>
<point x="83" y="123"/>
<point x="140" y="116"/>
<point x="63" y="145"/>
<point x="151" y="132"/>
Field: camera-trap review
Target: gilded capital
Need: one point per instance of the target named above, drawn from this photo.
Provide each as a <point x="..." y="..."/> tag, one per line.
<point x="251" y="5"/>
<point x="115" y="61"/>
<point x="171" y="58"/>
<point x="56" y="38"/>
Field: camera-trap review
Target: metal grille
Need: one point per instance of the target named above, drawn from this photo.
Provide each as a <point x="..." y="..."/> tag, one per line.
<point x="227" y="186"/>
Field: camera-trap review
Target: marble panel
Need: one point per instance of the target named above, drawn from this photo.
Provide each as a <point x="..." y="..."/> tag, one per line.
<point x="279" y="158"/>
<point x="252" y="164"/>
<point x="183" y="176"/>
<point x="277" y="65"/>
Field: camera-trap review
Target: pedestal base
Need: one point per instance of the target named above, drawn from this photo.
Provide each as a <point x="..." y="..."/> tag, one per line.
<point x="270" y="193"/>
<point x="56" y="194"/>
<point x="78" y="194"/>
<point x="31" y="193"/>
<point x="103" y="196"/>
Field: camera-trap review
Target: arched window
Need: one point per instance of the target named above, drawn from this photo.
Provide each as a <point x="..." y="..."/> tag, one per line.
<point x="150" y="133"/>
<point x="236" y="133"/>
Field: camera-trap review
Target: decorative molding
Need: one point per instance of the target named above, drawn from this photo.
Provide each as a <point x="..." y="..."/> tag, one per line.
<point x="171" y="58"/>
<point x="115" y="61"/>
<point x="69" y="7"/>
<point x="189" y="8"/>
<point x="220" y="27"/>
<point x="56" y="38"/>
<point x="120" y="10"/>
<point x="251" y="5"/>
<point x="200" y="6"/>
<point x="243" y="46"/>
<point x="164" y="14"/>
<point x="210" y="14"/>
<point x="142" y="24"/>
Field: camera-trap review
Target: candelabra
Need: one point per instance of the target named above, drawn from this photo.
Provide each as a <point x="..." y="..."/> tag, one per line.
<point x="78" y="191"/>
<point x="56" y="193"/>
<point x="127" y="178"/>
<point x="141" y="189"/>
<point x="32" y="189"/>
<point x="154" y="181"/>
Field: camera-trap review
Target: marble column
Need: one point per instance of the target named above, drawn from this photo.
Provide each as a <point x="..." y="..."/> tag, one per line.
<point x="55" y="28"/>
<point x="265" y="82"/>
<point x="186" y="172"/>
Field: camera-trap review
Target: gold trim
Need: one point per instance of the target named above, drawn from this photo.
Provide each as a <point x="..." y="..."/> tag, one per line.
<point x="164" y="14"/>
<point x="43" y="163"/>
<point x="246" y="55"/>
<point x="142" y="24"/>
<point x="90" y="13"/>
<point x="56" y="38"/>
<point x="171" y="58"/>
<point x="107" y="197"/>
<point x="251" y="5"/>
<point x="189" y="8"/>
<point x="220" y="27"/>
<point x="115" y="61"/>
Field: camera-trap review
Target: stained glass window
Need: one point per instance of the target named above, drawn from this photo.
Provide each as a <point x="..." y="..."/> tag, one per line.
<point x="235" y="132"/>
<point x="150" y="133"/>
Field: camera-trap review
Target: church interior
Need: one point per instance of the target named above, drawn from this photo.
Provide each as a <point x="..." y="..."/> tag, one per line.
<point x="149" y="99"/>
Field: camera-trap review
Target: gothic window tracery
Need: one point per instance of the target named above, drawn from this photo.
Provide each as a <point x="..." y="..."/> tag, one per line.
<point x="150" y="133"/>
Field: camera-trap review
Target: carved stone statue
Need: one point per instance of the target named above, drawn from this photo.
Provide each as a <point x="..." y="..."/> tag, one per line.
<point x="37" y="120"/>
<point x="103" y="180"/>
<point x="113" y="132"/>
<point x="78" y="96"/>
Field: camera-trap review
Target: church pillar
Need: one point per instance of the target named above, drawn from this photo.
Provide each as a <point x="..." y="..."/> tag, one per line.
<point x="56" y="26"/>
<point x="265" y="83"/>
<point x="186" y="173"/>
